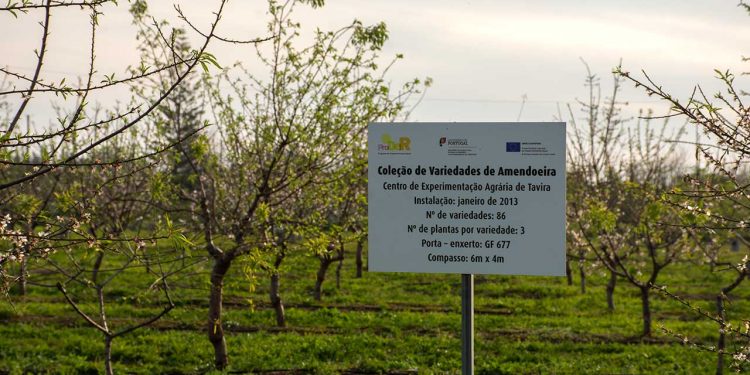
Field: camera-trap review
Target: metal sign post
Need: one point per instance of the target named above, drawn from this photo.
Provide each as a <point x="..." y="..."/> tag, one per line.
<point x="467" y="324"/>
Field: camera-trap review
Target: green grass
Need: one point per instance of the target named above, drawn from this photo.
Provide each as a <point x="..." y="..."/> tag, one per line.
<point x="381" y="323"/>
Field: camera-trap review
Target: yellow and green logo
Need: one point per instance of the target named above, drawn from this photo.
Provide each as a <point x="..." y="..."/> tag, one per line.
<point x="388" y="144"/>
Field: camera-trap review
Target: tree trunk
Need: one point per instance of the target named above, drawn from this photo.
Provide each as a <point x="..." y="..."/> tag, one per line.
<point x="22" y="280"/>
<point x="721" y="345"/>
<point x="215" y="330"/>
<point x="325" y="262"/>
<point x="722" y="315"/>
<point x="611" y="291"/>
<point x="568" y="271"/>
<point x="275" y="291"/>
<point x="338" y="270"/>
<point x="645" y="290"/>
<point x="276" y="302"/>
<point x="360" y="248"/>
<point x="582" y="273"/>
<point x="108" y="355"/>
<point x="26" y="253"/>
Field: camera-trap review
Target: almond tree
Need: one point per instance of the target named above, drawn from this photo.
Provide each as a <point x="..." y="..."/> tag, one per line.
<point x="595" y="160"/>
<point x="336" y="222"/>
<point x="26" y="225"/>
<point x="620" y="218"/>
<point x="80" y="96"/>
<point x="279" y="239"/>
<point x="277" y="134"/>
<point x="723" y="119"/>
<point x="636" y="244"/>
<point x="107" y="212"/>
<point x="28" y="153"/>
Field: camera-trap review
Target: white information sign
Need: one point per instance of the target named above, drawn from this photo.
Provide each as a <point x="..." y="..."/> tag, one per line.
<point x="469" y="198"/>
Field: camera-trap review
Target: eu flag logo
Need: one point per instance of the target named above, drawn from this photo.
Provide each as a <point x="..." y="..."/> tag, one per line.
<point x="512" y="146"/>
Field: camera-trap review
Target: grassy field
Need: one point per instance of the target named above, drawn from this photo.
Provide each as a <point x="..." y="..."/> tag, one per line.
<point x="381" y="323"/>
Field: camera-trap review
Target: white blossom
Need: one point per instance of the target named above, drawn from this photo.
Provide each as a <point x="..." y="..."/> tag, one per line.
<point x="4" y="221"/>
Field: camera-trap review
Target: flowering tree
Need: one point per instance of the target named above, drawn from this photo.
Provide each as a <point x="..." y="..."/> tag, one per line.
<point x="103" y="221"/>
<point x="77" y="122"/>
<point x="615" y="213"/>
<point x="33" y="158"/>
<point x="277" y="136"/>
<point x="90" y="183"/>
<point x="720" y="197"/>
<point x="337" y="221"/>
<point x="595" y="167"/>
<point x="637" y="243"/>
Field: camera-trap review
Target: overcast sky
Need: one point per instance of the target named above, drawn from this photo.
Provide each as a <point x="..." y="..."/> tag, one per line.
<point x="484" y="56"/>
